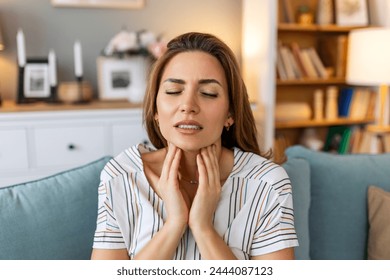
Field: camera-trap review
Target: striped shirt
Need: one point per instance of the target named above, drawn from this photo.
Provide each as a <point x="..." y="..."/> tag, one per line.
<point x="254" y="215"/>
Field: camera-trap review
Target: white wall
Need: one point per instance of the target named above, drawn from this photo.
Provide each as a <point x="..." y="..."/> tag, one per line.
<point x="258" y="61"/>
<point x="47" y="27"/>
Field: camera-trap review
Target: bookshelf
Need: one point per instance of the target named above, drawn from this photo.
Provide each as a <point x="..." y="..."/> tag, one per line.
<point x="295" y="84"/>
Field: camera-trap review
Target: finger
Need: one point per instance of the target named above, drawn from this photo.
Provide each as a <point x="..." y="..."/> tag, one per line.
<point x="174" y="170"/>
<point x="213" y="157"/>
<point x="168" y="161"/>
<point x="215" y="160"/>
<point x="208" y="158"/>
<point x="203" y="179"/>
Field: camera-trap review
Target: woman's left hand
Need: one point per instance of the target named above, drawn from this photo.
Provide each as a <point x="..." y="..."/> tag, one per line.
<point x="207" y="196"/>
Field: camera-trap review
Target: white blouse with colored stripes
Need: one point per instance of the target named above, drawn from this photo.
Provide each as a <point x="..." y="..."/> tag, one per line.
<point x="254" y="215"/>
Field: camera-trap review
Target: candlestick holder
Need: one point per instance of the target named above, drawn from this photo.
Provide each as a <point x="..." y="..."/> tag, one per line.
<point x="80" y="93"/>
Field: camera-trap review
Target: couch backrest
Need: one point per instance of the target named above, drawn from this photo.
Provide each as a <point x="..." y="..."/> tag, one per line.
<point x="51" y="218"/>
<point x="337" y="217"/>
<point x="299" y="172"/>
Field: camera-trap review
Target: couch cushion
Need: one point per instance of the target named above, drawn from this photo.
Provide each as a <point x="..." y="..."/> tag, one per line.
<point x="299" y="172"/>
<point x="379" y="224"/>
<point x="51" y="218"/>
<point x="338" y="221"/>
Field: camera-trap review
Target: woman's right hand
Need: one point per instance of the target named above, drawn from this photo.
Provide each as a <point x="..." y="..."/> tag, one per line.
<point x="168" y="188"/>
<point x="164" y="243"/>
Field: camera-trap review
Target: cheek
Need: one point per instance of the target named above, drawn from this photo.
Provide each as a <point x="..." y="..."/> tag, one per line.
<point x="163" y="107"/>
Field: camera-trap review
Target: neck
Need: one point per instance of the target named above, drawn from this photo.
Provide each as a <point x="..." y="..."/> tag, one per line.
<point x="188" y="166"/>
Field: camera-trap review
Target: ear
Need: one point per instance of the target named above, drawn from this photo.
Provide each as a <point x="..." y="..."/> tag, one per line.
<point x="229" y="121"/>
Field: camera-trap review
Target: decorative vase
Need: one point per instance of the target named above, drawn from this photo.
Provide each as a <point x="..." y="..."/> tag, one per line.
<point x="318" y="104"/>
<point x="331" y="111"/>
<point x="138" y="79"/>
<point x="325" y="12"/>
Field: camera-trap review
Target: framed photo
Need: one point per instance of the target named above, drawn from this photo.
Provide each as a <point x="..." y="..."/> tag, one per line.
<point x="129" y="4"/>
<point x="122" y="78"/>
<point x="34" y="81"/>
<point x="351" y="12"/>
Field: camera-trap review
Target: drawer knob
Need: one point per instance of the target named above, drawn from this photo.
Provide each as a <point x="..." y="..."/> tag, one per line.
<point x="71" y="147"/>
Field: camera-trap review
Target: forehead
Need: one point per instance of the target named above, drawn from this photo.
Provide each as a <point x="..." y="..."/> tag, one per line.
<point x="194" y="65"/>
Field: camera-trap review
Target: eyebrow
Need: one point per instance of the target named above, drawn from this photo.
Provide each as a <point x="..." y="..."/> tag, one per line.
<point x="202" y="81"/>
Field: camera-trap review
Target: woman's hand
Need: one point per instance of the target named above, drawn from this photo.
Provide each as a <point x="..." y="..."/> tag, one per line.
<point x="210" y="244"/>
<point x="169" y="189"/>
<point x="164" y="243"/>
<point x="209" y="190"/>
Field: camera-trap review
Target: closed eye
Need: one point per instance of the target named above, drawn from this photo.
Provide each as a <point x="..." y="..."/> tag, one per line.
<point x="173" y="92"/>
<point x="208" y="94"/>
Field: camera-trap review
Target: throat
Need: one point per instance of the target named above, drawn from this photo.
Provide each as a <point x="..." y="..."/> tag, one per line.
<point x="190" y="181"/>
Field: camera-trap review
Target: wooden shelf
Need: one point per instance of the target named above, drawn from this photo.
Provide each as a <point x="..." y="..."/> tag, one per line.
<point x="12" y="107"/>
<point x="313" y="123"/>
<point x="305" y="81"/>
<point x="293" y="27"/>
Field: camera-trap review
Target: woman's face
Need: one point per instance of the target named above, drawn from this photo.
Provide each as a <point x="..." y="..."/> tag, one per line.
<point x="192" y="101"/>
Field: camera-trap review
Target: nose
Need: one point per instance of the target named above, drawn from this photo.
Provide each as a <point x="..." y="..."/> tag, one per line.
<point x="189" y="104"/>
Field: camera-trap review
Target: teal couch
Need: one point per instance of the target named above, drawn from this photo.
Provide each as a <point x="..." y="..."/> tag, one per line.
<point x="55" y="217"/>
<point x="330" y="201"/>
<point x="51" y="218"/>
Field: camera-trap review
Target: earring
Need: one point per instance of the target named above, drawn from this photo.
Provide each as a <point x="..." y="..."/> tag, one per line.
<point x="227" y="127"/>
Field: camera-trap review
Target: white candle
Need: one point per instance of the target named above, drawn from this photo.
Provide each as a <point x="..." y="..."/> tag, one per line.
<point x="78" y="63"/>
<point x="21" y="48"/>
<point x="52" y="69"/>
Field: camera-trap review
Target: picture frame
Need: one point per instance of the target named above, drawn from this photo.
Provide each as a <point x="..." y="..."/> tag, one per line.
<point x="118" y="4"/>
<point x="33" y="83"/>
<point x="122" y="78"/>
<point x="351" y="12"/>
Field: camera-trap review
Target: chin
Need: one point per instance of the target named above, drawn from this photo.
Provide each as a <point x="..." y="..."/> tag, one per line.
<point x="187" y="147"/>
<point x="191" y="147"/>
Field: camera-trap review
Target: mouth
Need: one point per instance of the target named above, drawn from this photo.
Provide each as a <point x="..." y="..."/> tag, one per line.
<point x="189" y="125"/>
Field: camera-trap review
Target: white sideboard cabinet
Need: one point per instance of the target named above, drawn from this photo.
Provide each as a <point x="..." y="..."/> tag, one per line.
<point x="35" y="144"/>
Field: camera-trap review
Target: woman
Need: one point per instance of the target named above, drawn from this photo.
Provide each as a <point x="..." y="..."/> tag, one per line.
<point x="205" y="192"/>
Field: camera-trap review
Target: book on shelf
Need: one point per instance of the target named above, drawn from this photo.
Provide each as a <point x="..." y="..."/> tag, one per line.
<point x="297" y="70"/>
<point x="295" y="63"/>
<point x="372" y="144"/>
<point x="333" y="51"/>
<point x="287" y="62"/>
<point x="296" y="50"/>
<point x="361" y="100"/>
<point x="356" y="103"/>
<point x="338" y="139"/>
<point x="281" y="70"/>
<point x="386" y="143"/>
<point x="317" y="63"/>
<point x="345" y="98"/>
<point x="287" y="11"/>
<point x="308" y="64"/>
<point x="356" y="139"/>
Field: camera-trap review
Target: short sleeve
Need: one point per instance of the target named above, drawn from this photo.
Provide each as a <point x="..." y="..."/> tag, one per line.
<point x="107" y="234"/>
<point x="275" y="223"/>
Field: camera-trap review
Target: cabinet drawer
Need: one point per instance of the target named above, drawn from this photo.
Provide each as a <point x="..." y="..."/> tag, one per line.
<point x="69" y="145"/>
<point x="13" y="149"/>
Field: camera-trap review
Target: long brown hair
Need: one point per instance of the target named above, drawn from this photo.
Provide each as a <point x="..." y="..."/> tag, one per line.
<point x="243" y="132"/>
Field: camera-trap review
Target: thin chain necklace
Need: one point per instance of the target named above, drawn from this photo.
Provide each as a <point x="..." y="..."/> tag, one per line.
<point x="192" y="182"/>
